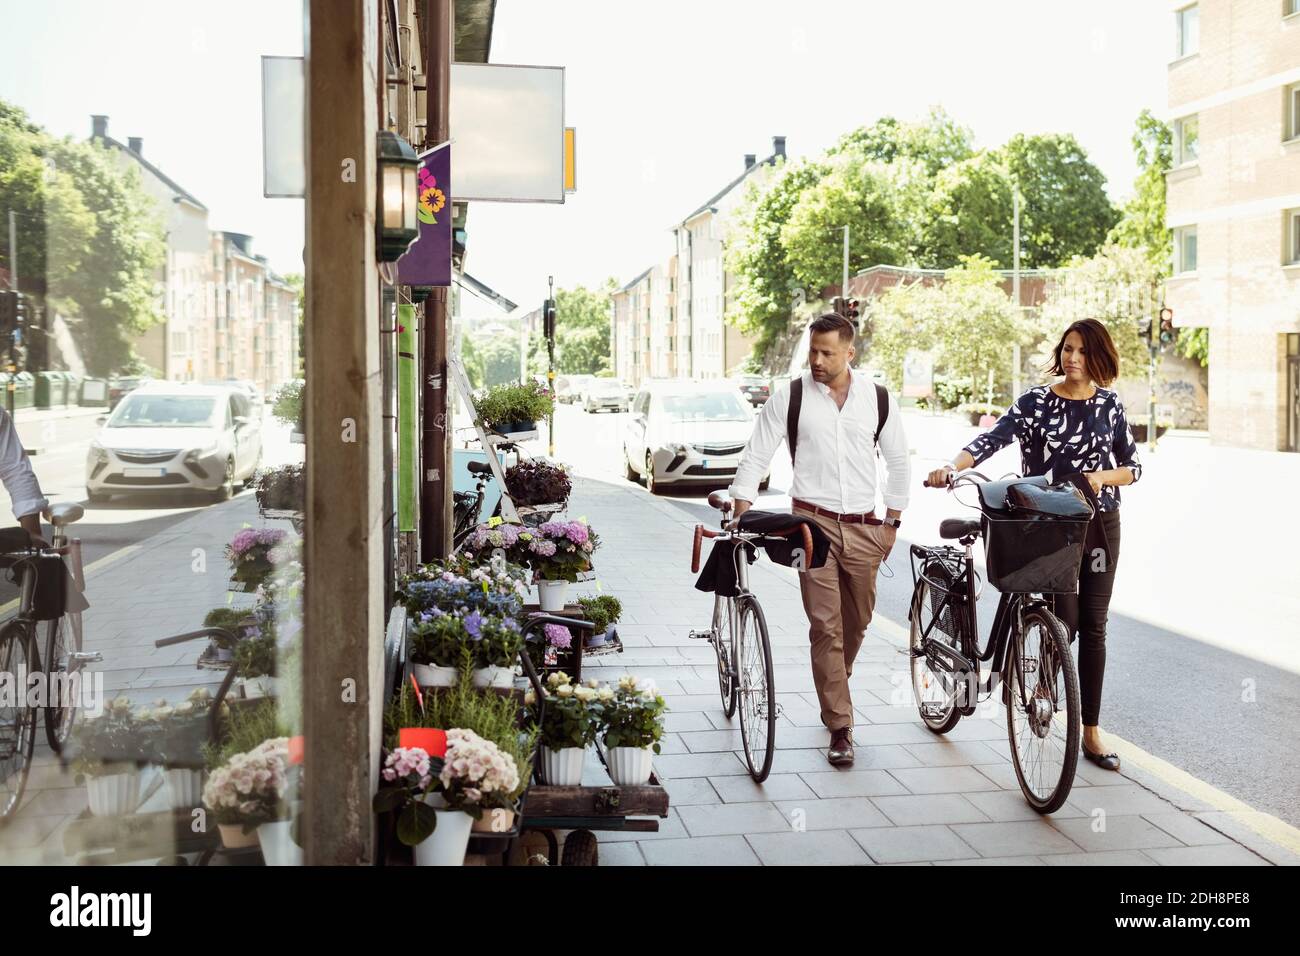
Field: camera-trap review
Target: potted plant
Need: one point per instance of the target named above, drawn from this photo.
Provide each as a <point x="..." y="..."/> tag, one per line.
<point x="249" y="790"/>
<point x="288" y="407"/>
<point x="182" y="731"/>
<point x="411" y="719"/>
<point x="568" y="723"/>
<point x="558" y="552"/>
<point x="603" y="611"/>
<point x="515" y="407"/>
<point x="438" y="641"/>
<point x="552" y="639"/>
<point x="255" y="662"/>
<point x="110" y="747"/>
<point x="281" y="489"/>
<point x="233" y="619"/>
<point x="633" y="725"/>
<point x="536" y="482"/>
<point x="495" y="642"/>
<point x="249" y="554"/>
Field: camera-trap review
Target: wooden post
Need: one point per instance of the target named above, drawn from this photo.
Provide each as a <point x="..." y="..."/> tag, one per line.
<point x="343" y="602"/>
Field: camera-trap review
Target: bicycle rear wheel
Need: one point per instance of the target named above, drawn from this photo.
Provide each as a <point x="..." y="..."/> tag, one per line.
<point x="1043" y="709"/>
<point x="757" y="690"/>
<point x="17" y="720"/>
<point x="936" y="692"/>
<point x="64" y="672"/>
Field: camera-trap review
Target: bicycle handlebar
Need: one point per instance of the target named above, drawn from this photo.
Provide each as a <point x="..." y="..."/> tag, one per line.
<point x="223" y="635"/>
<point x="702" y="532"/>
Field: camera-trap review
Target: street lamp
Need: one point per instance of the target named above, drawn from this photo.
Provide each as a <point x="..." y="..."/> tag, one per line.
<point x="398" y="197"/>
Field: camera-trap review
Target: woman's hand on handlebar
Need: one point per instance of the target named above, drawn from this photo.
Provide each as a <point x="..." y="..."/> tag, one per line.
<point x="940" y="477"/>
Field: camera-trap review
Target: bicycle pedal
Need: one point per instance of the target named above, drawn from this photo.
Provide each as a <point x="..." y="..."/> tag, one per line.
<point x="85" y="657"/>
<point x="700" y="635"/>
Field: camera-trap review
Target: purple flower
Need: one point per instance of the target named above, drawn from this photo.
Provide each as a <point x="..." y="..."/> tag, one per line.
<point x="473" y="623"/>
<point x="558" y="636"/>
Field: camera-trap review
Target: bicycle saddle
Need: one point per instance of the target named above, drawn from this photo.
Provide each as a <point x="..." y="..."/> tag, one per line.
<point x="66" y="512"/>
<point x="720" y="501"/>
<point x="951" y="528"/>
<point x="479" y="468"/>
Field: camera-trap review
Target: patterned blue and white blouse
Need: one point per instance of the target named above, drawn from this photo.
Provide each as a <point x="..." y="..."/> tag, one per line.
<point x="1061" y="436"/>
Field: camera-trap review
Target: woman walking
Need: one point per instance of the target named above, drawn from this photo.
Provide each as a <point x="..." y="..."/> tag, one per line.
<point x="1075" y="426"/>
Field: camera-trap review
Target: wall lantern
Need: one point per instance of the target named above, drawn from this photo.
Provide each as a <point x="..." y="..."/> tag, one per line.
<point x="398" y="197"/>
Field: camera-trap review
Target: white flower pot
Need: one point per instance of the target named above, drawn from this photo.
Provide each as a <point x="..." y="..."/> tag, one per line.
<point x="114" y="794"/>
<point x="278" y="848"/>
<point x="494" y="677"/>
<point x="551" y="594"/>
<point x="431" y="675"/>
<point x="449" y="840"/>
<point x="630" y="766"/>
<point x="563" y="767"/>
<point x="255" y="687"/>
<point x="184" y="788"/>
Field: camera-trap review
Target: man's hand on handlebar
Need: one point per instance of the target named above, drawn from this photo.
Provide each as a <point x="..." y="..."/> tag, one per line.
<point x="739" y="506"/>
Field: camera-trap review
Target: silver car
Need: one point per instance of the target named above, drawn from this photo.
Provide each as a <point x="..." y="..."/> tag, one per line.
<point x="167" y="436"/>
<point x="605" y="393"/>
<point x="686" y="433"/>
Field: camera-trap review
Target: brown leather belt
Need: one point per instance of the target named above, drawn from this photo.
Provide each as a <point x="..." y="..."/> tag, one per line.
<point x="868" y="518"/>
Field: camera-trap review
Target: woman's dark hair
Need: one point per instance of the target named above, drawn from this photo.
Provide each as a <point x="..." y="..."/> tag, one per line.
<point x="833" y="322"/>
<point x="1099" y="354"/>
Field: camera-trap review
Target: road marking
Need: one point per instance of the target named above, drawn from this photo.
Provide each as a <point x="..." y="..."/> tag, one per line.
<point x="1266" y="825"/>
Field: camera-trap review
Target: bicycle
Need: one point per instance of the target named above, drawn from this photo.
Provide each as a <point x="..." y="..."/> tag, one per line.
<point x="1028" y="654"/>
<point x="20" y="657"/>
<point x="466" y="505"/>
<point x="745" y="678"/>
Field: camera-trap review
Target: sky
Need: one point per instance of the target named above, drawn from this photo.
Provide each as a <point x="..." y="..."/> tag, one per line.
<point x="666" y="97"/>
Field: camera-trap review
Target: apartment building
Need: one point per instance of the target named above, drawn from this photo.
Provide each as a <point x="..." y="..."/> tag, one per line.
<point x="1234" y="208"/>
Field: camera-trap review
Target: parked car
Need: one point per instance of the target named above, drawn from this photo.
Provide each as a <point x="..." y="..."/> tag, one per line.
<point x="570" y="388"/>
<point x="687" y="433"/>
<point x="755" y="388"/>
<point x="172" y="436"/>
<point x="605" y="393"/>
<point x="119" y="388"/>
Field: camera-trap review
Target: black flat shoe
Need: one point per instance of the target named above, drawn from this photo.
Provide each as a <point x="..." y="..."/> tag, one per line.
<point x="1104" y="761"/>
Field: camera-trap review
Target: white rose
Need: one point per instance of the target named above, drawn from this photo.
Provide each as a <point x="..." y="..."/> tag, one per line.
<point x="564" y="690"/>
<point x="605" y="693"/>
<point x="584" y="694"/>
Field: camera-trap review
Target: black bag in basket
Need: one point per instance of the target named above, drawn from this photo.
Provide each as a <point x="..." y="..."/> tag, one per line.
<point x="1034" y="534"/>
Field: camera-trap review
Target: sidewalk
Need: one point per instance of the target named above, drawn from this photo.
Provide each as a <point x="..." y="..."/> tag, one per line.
<point x="138" y="594"/>
<point x="912" y="797"/>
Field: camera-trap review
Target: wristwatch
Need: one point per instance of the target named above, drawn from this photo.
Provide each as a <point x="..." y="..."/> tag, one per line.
<point x="891" y="522"/>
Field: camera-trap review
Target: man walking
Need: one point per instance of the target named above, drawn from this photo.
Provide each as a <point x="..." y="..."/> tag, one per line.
<point x="833" y="418"/>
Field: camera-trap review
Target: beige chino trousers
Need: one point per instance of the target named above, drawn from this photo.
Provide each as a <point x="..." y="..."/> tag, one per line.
<point x="839" y="598"/>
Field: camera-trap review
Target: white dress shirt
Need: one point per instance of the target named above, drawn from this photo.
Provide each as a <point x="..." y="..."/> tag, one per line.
<point x="16" y="471"/>
<point x="835" y="462"/>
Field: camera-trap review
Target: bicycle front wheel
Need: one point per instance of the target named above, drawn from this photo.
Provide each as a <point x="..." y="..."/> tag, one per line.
<point x="17" y="720"/>
<point x="63" y="666"/>
<point x="1043" y="710"/>
<point x="756" y="692"/>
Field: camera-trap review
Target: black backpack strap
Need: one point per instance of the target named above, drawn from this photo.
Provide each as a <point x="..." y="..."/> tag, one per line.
<point x="882" y="410"/>
<point x="792" y="415"/>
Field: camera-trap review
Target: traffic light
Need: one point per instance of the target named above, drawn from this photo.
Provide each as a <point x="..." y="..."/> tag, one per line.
<point x="851" y="310"/>
<point x="548" y="318"/>
<point x="1167" y="331"/>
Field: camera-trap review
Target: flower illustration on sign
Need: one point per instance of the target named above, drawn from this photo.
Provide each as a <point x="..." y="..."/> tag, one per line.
<point x="432" y="199"/>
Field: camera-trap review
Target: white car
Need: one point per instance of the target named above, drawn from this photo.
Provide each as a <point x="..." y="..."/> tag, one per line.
<point x="687" y="433"/>
<point x="169" y="436"/>
<point x="605" y="393"/>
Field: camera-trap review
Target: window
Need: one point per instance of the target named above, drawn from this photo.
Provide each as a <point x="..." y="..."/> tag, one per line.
<point x="1186" y="140"/>
<point x="1292" y="107"/>
<point x="1292" y="237"/>
<point x="1290" y="8"/>
<point x="1184" y="249"/>
<point x="1189" y="30"/>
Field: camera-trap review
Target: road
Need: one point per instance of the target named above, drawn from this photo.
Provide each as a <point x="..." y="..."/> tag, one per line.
<point x="60" y="466"/>
<point x="1175" y="685"/>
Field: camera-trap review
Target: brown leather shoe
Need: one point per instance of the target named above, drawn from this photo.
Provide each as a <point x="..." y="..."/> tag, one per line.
<point x="841" y="750"/>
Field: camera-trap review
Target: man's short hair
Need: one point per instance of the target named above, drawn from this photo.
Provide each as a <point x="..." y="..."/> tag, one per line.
<point x="834" y="322"/>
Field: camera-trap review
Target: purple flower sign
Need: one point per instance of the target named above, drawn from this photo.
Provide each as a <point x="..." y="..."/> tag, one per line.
<point x="428" y="260"/>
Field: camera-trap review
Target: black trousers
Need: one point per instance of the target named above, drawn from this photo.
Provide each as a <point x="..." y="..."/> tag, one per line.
<point x="1084" y="615"/>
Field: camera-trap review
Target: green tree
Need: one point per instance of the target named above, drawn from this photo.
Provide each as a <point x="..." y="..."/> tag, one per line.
<point x="298" y="283"/>
<point x="937" y="142"/>
<point x="88" y="232"/>
<point x="500" y="358"/>
<point x="472" y="359"/>
<point x="761" y="300"/>
<point x="969" y="212"/>
<point x="855" y="192"/>
<point x="1064" y="210"/>
<point x="582" y="345"/>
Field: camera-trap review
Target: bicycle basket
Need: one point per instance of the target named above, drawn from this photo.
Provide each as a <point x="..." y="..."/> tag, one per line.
<point x="1033" y="535"/>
